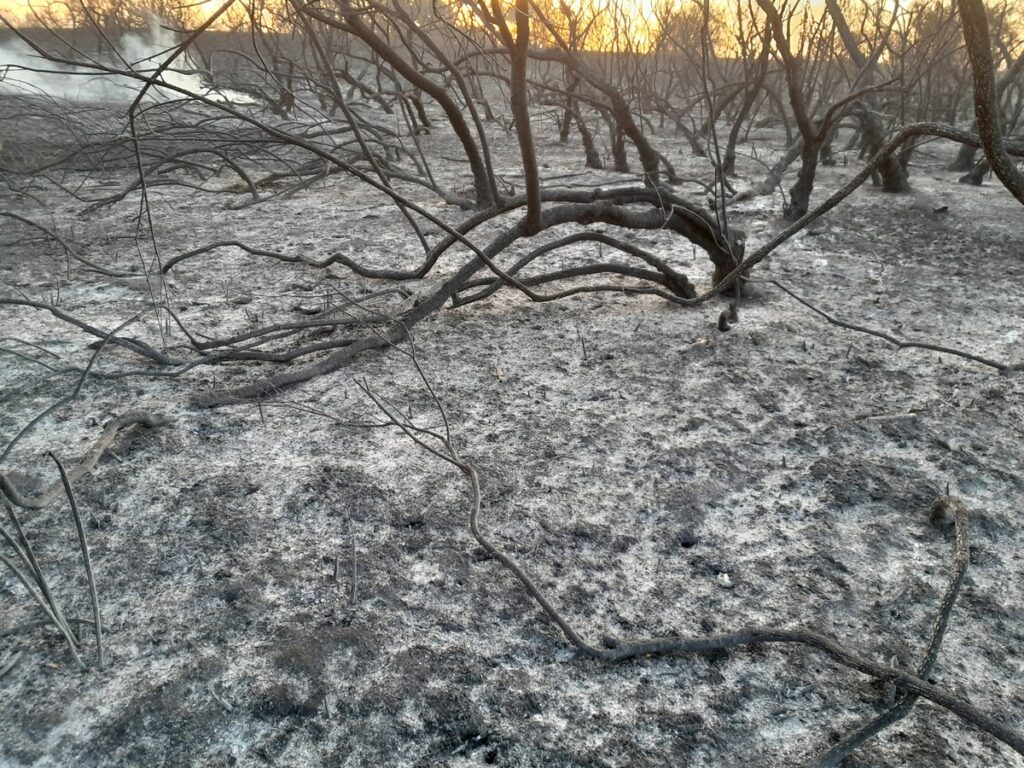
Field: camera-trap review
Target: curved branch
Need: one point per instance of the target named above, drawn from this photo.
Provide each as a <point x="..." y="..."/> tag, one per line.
<point x="133" y="345"/>
<point x="665" y="274"/>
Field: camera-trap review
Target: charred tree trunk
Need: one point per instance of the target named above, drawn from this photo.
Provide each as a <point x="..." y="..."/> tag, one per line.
<point x="618" y="140"/>
<point x="569" y="113"/>
<point x="719" y="108"/>
<point x="565" y="126"/>
<point x="892" y="172"/>
<point x="519" y="47"/>
<point x="729" y="163"/>
<point x="986" y="97"/>
<point x="589" y="149"/>
<point x="813" y="136"/>
<point x="421" y="112"/>
<point x="977" y="173"/>
<point x="618" y="110"/>
<point x="825" y="155"/>
<point x="800" y="192"/>
<point x="965" y="158"/>
<point x="774" y="177"/>
<point x="484" y="185"/>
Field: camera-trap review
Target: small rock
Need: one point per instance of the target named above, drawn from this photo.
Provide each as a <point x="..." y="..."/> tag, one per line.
<point x="724" y="581"/>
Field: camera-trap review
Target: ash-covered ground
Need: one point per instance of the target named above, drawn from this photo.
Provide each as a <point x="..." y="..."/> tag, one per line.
<point x="653" y="474"/>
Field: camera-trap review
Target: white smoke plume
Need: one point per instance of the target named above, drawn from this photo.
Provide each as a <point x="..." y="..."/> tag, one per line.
<point x="24" y="71"/>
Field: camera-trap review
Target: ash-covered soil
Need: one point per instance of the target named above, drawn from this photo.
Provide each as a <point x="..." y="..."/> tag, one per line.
<point x="653" y="474"/>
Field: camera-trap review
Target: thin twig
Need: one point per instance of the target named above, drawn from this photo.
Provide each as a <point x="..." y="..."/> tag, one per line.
<point x="11" y="662"/>
<point x="41" y="601"/>
<point x="898" y="343"/>
<point x="28" y="556"/>
<point x="355" y="564"/>
<point x="98" y="625"/>
<point x="26" y="626"/>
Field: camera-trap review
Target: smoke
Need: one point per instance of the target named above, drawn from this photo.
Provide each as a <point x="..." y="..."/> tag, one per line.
<point x="24" y="71"/>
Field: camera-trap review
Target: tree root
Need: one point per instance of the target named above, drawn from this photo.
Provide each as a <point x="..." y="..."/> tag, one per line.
<point x="913" y="685"/>
<point x="910" y="685"/>
<point x="86" y="465"/>
<point x="835" y="756"/>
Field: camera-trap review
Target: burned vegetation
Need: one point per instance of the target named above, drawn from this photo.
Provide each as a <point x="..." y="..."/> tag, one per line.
<point x="517" y="383"/>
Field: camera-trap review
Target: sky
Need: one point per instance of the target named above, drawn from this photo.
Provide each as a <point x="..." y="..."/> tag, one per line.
<point x="13" y="8"/>
<point x="18" y="10"/>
